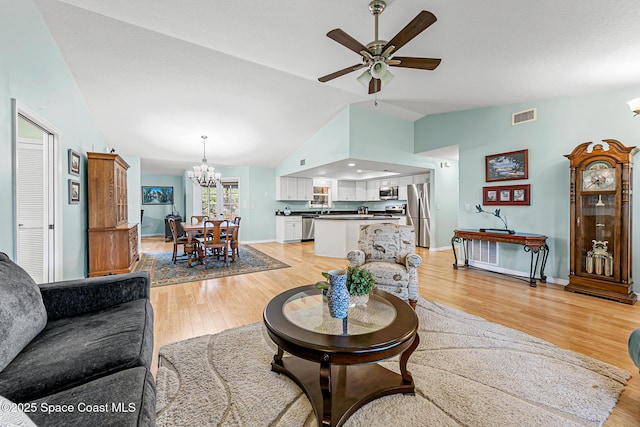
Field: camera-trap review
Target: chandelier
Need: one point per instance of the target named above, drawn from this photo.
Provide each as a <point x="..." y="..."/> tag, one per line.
<point x="204" y="175"/>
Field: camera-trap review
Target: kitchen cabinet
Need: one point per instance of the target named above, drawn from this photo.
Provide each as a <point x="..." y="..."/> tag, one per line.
<point x="361" y="190"/>
<point x="373" y="190"/>
<point x="291" y="188"/>
<point x="346" y="191"/>
<point x="403" y="182"/>
<point x="304" y="189"/>
<point x="288" y="229"/>
<point x="389" y="182"/>
<point x="421" y="179"/>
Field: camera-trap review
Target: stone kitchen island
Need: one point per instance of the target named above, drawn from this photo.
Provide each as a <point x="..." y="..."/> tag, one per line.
<point x="336" y="235"/>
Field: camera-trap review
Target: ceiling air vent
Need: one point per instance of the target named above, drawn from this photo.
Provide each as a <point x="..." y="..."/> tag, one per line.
<point x="523" y="117"/>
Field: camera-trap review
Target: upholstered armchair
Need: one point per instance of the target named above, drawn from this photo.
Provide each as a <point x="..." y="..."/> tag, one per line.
<point x="387" y="251"/>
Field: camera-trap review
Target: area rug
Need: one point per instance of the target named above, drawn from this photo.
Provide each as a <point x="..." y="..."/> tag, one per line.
<point x="164" y="272"/>
<point x="467" y="372"/>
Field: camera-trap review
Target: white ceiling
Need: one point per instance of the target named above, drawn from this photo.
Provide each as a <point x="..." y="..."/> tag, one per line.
<point x="158" y="74"/>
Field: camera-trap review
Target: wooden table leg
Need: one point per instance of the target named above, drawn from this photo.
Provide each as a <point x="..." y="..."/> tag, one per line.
<point x="325" y="386"/>
<point x="406" y="375"/>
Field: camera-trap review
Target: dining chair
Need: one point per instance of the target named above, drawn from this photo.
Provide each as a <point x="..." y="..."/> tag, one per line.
<point x="213" y="243"/>
<point x="179" y="238"/>
<point x="234" y="244"/>
<point x="197" y="219"/>
<point x="236" y="220"/>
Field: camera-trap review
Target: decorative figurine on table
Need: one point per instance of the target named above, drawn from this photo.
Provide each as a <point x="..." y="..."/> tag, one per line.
<point x="495" y="213"/>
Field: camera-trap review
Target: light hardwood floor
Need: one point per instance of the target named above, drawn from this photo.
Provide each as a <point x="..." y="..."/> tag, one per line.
<point x="589" y="325"/>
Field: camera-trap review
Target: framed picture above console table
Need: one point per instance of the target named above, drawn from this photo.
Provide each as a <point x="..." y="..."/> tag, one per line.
<point x="508" y="195"/>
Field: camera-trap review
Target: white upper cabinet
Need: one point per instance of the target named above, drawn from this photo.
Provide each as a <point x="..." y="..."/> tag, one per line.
<point x="421" y="179"/>
<point x="305" y="189"/>
<point x="361" y="190"/>
<point x="373" y="190"/>
<point x="290" y="188"/>
<point x="346" y="191"/>
<point x="403" y="182"/>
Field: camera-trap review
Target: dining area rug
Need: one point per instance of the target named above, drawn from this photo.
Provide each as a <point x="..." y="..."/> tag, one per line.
<point x="164" y="272"/>
<point x="467" y="372"/>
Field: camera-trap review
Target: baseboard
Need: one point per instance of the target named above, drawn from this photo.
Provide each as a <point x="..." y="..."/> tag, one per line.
<point x="502" y="270"/>
<point x="152" y="235"/>
<point x="248" y="242"/>
<point x="442" y="248"/>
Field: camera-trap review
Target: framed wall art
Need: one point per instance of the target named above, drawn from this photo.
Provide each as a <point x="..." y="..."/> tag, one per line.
<point x="157" y="195"/>
<point x="507" y="166"/>
<point x="74" y="162"/>
<point x="512" y="195"/>
<point x="74" y="192"/>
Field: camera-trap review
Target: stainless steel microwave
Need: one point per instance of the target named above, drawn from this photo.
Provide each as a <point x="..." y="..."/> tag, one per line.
<point x="389" y="193"/>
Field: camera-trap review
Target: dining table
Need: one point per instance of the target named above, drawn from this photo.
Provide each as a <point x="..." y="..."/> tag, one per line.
<point x="191" y="230"/>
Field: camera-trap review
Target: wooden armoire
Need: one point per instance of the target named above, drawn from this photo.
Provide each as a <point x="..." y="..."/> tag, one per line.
<point x="113" y="242"/>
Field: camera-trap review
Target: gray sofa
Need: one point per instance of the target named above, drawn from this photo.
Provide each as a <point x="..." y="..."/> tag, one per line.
<point x="76" y="353"/>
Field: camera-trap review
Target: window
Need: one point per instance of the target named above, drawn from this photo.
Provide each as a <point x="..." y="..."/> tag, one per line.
<point x="230" y="200"/>
<point x="321" y="197"/>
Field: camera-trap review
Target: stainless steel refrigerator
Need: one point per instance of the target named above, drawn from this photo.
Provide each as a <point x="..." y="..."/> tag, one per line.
<point x="419" y="212"/>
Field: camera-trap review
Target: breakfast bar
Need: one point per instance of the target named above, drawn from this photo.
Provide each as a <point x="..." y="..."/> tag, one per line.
<point x="336" y="235"/>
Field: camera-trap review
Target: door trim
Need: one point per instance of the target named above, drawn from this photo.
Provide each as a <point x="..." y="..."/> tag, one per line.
<point x="56" y="173"/>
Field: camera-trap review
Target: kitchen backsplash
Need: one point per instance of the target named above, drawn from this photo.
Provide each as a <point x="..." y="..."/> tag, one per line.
<point x="339" y="206"/>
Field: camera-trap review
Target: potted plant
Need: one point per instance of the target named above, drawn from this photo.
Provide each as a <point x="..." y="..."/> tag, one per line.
<point x="360" y="284"/>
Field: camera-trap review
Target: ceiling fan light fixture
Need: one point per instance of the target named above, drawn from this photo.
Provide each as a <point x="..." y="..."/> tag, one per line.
<point x="379" y="69"/>
<point x="634" y="105"/>
<point x="364" y="78"/>
<point x="387" y="77"/>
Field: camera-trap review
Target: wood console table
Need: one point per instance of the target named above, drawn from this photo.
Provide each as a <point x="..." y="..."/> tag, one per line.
<point x="533" y="243"/>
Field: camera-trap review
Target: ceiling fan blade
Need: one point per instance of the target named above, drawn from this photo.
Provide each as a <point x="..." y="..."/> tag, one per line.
<point x="420" y="63"/>
<point x="375" y="85"/>
<point x="413" y="28"/>
<point x="347" y="41"/>
<point x="342" y="72"/>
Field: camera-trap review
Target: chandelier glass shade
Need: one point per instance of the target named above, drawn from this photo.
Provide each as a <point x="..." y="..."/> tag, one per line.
<point x="203" y="174"/>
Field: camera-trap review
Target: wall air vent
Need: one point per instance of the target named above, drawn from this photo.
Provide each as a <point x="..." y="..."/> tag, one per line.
<point x="523" y="117"/>
<point x="302" y="162"/>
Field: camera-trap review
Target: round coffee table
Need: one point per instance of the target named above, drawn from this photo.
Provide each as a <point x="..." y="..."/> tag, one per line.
<point x="332" y="359"/>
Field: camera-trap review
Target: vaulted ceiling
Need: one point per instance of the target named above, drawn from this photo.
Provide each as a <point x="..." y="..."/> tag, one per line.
<point x="158" y="74"/>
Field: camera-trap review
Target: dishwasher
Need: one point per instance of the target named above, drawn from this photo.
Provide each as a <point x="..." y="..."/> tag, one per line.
<point x="308" y="229"/>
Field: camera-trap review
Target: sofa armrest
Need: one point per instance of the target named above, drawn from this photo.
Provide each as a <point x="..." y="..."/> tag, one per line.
<point x="355" y="258"/>
<point x="413" y="260"/>
<point x="74" y="297"/>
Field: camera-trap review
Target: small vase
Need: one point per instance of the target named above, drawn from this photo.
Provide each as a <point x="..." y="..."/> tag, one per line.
<point x="359" y="300"/>
<point x="338" y="295"/>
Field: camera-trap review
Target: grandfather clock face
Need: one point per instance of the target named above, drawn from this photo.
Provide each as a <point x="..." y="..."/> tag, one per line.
<point x="598" y="176"/>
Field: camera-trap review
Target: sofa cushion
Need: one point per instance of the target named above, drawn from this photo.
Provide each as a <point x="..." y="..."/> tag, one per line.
<point x="74" y="350"/>
<point x="11" y="414"/>
<point x="125" y="398"/>
<point x="22" y="313"/>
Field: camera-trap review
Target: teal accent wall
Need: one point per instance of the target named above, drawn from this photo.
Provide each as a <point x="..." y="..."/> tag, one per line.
<point x="561" y="125"/>
<point x="134" y="198"/>
<point x="34" y="73"/>
<point x="329" y="144"/>
<point x="153" y="219"/>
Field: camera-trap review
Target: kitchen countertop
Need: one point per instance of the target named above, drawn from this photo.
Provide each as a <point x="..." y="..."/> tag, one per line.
<point x="358" y="217"/>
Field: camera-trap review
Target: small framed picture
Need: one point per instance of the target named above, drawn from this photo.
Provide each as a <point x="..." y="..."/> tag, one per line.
<point x="74" y="192"/>
<point x="74" y="163"/>
<point x="512" y="195"/>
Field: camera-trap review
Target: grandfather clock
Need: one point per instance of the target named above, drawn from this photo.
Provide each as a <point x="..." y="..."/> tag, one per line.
<point x="600" y="228"/>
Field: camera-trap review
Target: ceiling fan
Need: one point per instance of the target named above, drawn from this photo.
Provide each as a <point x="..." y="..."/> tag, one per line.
<point x="378" y="55"/>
